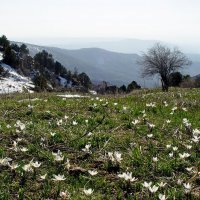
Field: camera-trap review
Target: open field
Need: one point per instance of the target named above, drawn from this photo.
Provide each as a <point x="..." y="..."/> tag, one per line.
<point x="141" y="146"/>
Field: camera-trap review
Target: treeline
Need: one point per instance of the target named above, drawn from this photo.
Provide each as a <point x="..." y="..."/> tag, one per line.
<point x="176" y="79"/>
<point x="105" y="88"/>
<point x="46" y="73"/>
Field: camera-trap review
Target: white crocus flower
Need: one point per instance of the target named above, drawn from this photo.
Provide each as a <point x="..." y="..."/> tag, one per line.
<point x="87" y="148"/>
<point x="155" y="159"/>
<point x="42" y="177"/>
<point x="151" y="125"/>
<point x="153" y="189"/>
<point x="179" y="181"/>
<point x="188" y="146"/>
<point x="127" y="176"/>
<point x="196" y="132"/>
<point x="58" y="156"/>
<point x="195" y="139"/>
<point x="166" y="104"/>
<point x="189" y="169"/>
<point x="24" y="149"/>
<point x="88" y="192"/>
<point x="93" y="172"/>
<point x="186" y="122"/>
<point x="146" y="184"/>
<point x="174" y="108"/>
<point x="89" y="134"/>
<point x="162" y="184"/>
<point x="151" y="105"/>
<point x="171" y="154"/>
<point x="188" y="187"/>
<point x="65" y="194"/>
<point x="162" y="197"/>
<point x="124" y="108"/>
<point x="184" y="109"/>
<point x="27" y="168"/>
<point x="74" y="123"/>
<point x="13" y="166"/>
<point x="168" y="146"/>
<point x="5" y="161"/>
<point x="59" y="122"/>
<point x="149" y="135"/>
<point x="135" y="122"/>
<point x="118" y="156"/>
<point x="35" y="164"/>
<point x="52" y="134"/>
<point x="19" y="139"/>
<point x="58" y="177"/>
<point x="66" y="117"/>
<point x="8" y="126"/>
<point x="67" y="164"/>
<point x="20" y="125"/>
<point x="175" y="148"/>
<point x="15" y="147"/>
<point x="184" y="155"/>
<point x="110" y="156"/>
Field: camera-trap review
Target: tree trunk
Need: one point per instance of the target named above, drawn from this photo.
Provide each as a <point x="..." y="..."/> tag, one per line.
<point x="165" y="85"/>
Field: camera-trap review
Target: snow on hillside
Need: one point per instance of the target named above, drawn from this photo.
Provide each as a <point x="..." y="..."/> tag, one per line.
<point x="14" y="82"/>
<point x="1" y="56"/>
<point x="63" y="81"/>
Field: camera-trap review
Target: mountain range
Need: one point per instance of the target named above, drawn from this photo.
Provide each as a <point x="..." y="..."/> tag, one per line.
<point x="113" y="67"/>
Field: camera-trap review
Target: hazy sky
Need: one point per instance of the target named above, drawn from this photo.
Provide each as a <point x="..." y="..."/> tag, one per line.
<point x="167" y="20"/>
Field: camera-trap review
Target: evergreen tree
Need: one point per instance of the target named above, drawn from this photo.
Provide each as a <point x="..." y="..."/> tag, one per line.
<point x="4" y="42"/>
<point x="23" y="49"/>
<point x="10" y="57"/>
<point x="122" y="88"/>
<point x="15" y="47"/>
<point x="175" y="79"/>
<point x="132" y="86"/>
<point x="1" y="70"/>
<point x="40" y="83"/>
<point x="84" y="80"/>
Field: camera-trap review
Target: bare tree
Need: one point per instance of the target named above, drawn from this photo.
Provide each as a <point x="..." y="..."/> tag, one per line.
<point x="162" y="61"/>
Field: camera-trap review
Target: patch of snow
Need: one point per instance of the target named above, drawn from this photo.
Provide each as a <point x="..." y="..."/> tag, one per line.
<point x="72" y="96"/>
<point x="50" y="86"/>
<point x="1" y="56"/>
<point x="63" y="81"/>
<point x="14" y="82"/>
<point x="92" y="92"/>
<point x="28" y="100"/>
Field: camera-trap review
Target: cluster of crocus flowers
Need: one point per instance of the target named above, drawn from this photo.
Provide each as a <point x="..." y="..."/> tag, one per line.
<point x="87" y="148"/>
<point x="115" y="156"/>
<point x="58" y="156"/>
<point x="127" y="176"/>
<point x="151" y="188"/>
<point x="186" y="122"/>
<point x="5" y="161"/>
<point x="31" y="165"/>
<point x="153" y="105"/>
<point x="19" y="126"/>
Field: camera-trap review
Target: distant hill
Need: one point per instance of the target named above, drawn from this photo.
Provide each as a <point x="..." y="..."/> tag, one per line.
<point x="116" y="45"/>
<point x="99" y="64"/>
<point x="116" y="68"/>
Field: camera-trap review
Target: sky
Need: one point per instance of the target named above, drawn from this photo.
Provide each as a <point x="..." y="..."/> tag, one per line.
<point x="167" y="20"/>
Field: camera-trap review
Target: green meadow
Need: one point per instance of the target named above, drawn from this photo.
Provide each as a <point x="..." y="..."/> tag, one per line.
<point x="140" y="146"/>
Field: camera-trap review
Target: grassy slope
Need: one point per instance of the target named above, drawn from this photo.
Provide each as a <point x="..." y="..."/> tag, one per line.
<point x="112" y="130"/>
